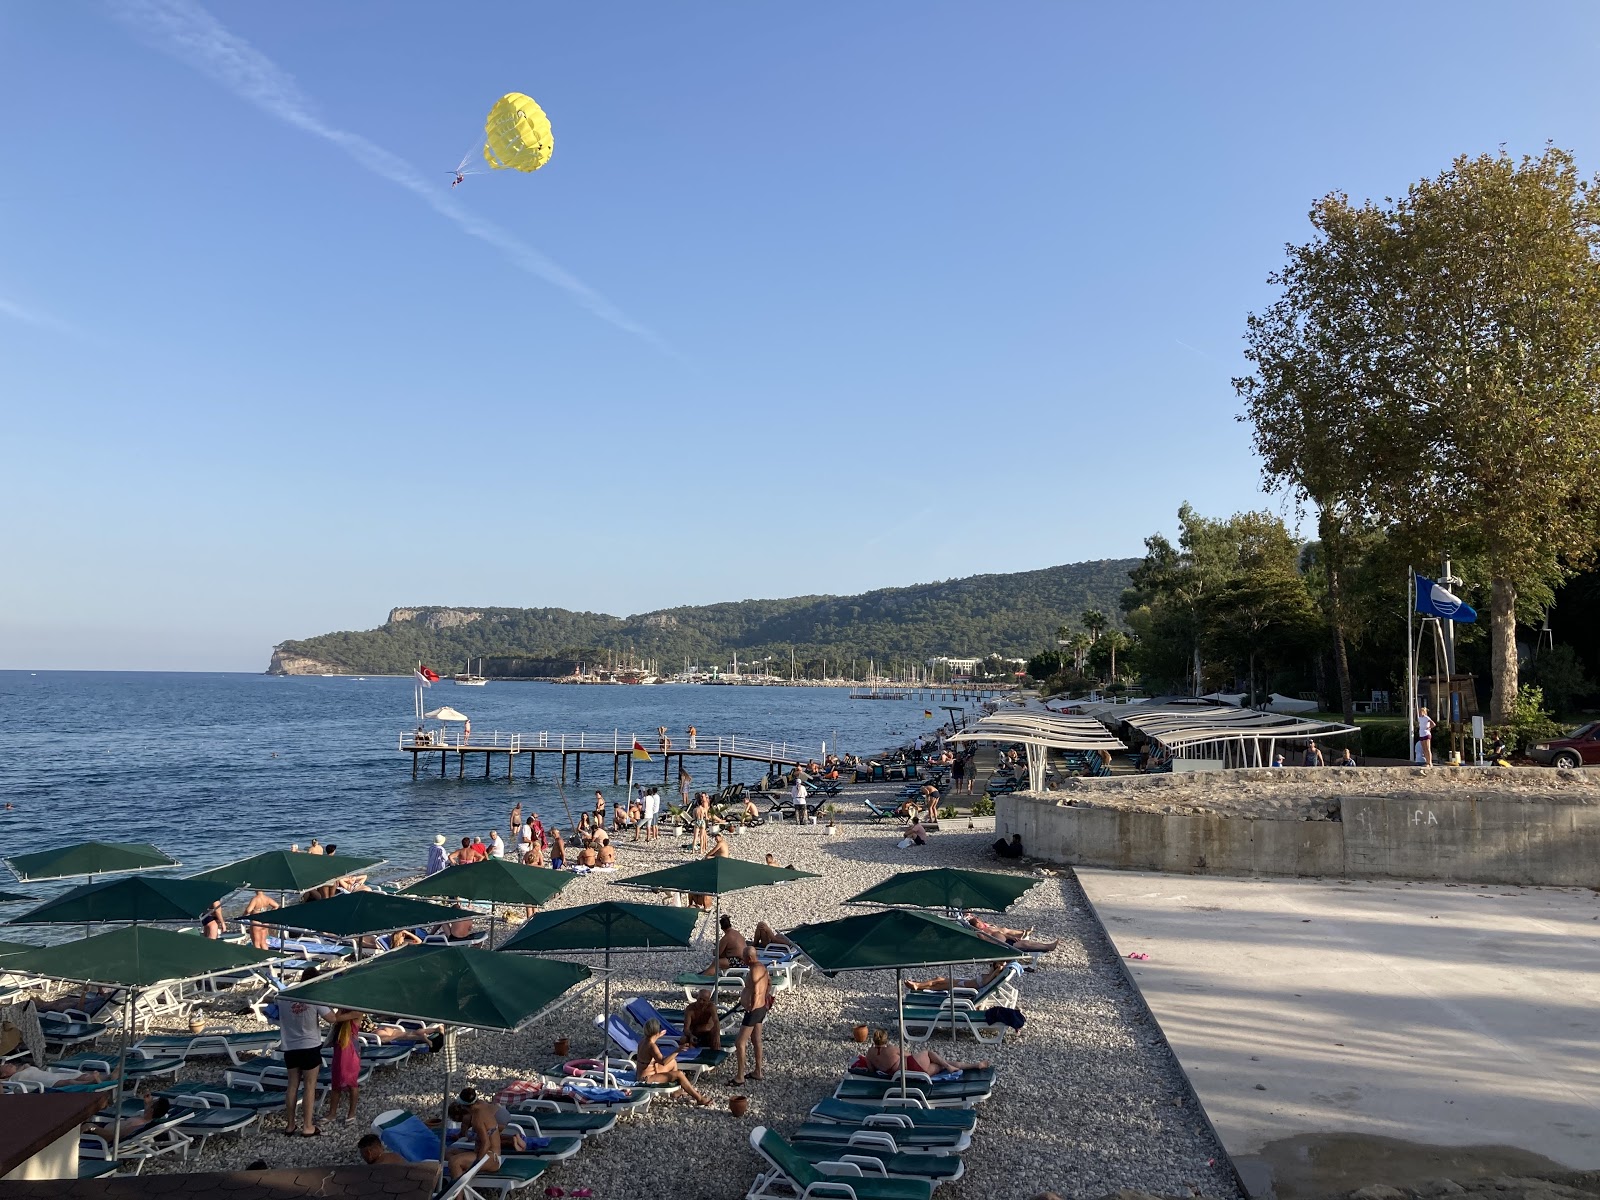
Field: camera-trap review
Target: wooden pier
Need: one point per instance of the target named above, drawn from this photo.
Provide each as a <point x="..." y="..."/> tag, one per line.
<point x="571" y="748"/>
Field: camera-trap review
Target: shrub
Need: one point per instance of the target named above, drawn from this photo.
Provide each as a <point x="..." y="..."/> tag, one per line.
<point x="1530" y="721"/>
<point x="983" y="807"/>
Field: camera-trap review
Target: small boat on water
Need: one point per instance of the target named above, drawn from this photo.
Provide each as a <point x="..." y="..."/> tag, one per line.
<point x="468" y="679"/>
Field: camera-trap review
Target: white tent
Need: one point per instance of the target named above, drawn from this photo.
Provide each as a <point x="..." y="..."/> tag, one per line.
<point x="446" y="714"/>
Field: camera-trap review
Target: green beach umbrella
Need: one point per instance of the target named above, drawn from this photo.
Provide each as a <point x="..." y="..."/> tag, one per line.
<point x="287" y="870"/>
<point x="14" y="948"/>
<point x="89" y="858"/>
<point x="131" y="958"/>
<point x="14" y="898"/>
<point x="495" y="881"/>
<point x="451" y="985"/>
<point x="352" y="914"/>
<point x="606" y="926"/>
<point x="134" y="899"/>
<point x="893" y="939"/>
<point x="951" y="888"/>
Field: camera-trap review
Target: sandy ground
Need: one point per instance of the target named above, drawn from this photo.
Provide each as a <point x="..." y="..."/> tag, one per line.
<point x="1090" y="1098"/>
<point x="1446" y="1015"/>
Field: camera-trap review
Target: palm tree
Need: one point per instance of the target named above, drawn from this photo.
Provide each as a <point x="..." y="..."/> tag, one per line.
<point x="1115" y="640"/>
<point x="1095" y="622"/>
<point x="1078" y="646"/>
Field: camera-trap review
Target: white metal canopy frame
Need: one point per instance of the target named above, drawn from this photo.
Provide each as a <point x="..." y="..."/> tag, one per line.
<point x="1039" y="732"/>
<point x="1242" y="737"/>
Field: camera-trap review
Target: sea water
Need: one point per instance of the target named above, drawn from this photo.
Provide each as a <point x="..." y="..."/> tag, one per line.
<point x="216" y="767"/>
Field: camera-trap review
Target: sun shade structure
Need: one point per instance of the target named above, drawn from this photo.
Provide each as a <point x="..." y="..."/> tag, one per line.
<point x="89" y="858"/>
<point x="606" y="926"/>
<point x="1040" y="731"/>
<point x="352" y="914"/>
<point x="450" y="985"/>
<point x="287" y="870"/>
<point x="495" y="881"/>
<point x="1240" y="737"/>
<point x="132" y="958"/>
<point x="898" y="940"/>
<point x="950" y="888"/>
<point x="446" y="713"/>
<point x="135" y="899"/>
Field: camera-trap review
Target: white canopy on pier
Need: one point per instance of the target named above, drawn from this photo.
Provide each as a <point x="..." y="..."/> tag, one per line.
<point x="446" y="714"/>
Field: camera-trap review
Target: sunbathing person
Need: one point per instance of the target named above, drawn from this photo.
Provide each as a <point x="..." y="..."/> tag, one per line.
<point x="943" y="983"/>
<point x="702" y="1025"/>
<point x="372" y="1151"/>
<point x="49" y="1076"/>
<point x="481" y="1120"/>
<point x="766" y="935"/>
<point x="730" y="948"/>
<point x="89" y="1001"/>
<point x="772" y="862"/>
<point x="885" y="1059"/>
<point x="400" y="937"/>
<point x="719" y="848"/>
<point x="607" y="856"/>
<point x="587" y="857"/>
<point x="1017" y="939"/>
<point x="750" y="815"/>
<point x="156" y="1109"/>
<point x="654" y="1067"/>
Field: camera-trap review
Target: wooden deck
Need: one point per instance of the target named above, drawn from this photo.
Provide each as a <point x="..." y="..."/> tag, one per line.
<point x="572" y="748"/>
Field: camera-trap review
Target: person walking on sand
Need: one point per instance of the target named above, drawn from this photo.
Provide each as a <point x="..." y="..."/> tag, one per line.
<point x="300" y="1024"/>
<point x="1424" y="737"/>
<point x="685" y="780"/>
<point x="756" y="1000"/>
<point x="693" y="734"/>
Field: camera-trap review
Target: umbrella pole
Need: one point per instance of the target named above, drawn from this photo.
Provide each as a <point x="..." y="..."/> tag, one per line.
<point x="122" y="1073"/>
<point x="449" y="1052"/>
<point x="900" y="1008"/>
<point x="605" y="1016"/>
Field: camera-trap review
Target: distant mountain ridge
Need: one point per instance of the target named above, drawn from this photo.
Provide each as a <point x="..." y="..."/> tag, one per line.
<point x="1015" y="615"/>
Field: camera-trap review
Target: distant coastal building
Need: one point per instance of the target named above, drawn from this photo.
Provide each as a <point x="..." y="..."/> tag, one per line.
<point x="956" y="666"/>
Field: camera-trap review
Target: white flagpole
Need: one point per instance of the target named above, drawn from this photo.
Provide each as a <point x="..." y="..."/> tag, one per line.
<point x="1411" y="685"/>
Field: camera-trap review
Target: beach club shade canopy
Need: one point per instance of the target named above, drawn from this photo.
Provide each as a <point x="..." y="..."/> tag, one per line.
<point x="287" y="870"/>
<point x="134" y="957"/>
<point x="134" y="899"/>
<point x="606" y="926"/>
<point x="495" y="881"/>
<point x="715" y="876"/>
<point x="948" y="887"/>
<point x="351" y="914"/>
<point x="1040" y="731"/>
<point x="894" y="939"/>
<point x="450" y="985"/>
<point x="446" y="713"/>
<point x="89" y="858"/>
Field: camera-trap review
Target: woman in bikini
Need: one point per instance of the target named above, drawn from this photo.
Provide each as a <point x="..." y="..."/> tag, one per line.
<point x="885" y="1059"/>
<point x="654" y="1067"/>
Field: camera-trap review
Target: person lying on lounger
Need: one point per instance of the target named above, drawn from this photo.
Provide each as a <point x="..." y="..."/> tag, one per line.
<point x="943" y="983"/>
<point x="772" y="862"/>
<point x="730" y="948"/>
<point x="766" y="935"/>
<point x="885" y="1059"/>
<point x="156" y="1109"/>
<point x="1017" y="939"/>
<point x="373" y="1153"/>
<point x="655" y="1067"/>
<point x="480" y="1119"/>
<point x="48" y="1076"/>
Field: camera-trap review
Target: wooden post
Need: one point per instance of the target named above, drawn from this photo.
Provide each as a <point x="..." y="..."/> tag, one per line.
<point x="511" y="760"/>
<point x="413" y="764"/>
<point x="616" y="766"/>
<point x="533" y="764"/>
<point x="486" y="757"/>
<point x="577" y="767"/>
<point x="461" y="764"/>
<point x="563" y="766"/>
<point x="444" y="757"/>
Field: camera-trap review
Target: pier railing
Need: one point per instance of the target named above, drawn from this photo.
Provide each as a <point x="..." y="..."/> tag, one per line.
<point x="615" y="742"/>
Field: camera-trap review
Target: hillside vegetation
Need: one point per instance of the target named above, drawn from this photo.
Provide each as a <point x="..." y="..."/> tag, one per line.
<point x="1013" y="615"/>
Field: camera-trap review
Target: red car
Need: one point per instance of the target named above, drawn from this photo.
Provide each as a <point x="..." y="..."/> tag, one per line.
<point x="1579" y="748"/>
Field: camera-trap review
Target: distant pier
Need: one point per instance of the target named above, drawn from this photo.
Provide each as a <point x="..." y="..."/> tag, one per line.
<point x="572" y="748"/>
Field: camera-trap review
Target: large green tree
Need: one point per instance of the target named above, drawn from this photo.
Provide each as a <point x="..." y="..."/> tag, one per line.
<point x="1432" y="369"/>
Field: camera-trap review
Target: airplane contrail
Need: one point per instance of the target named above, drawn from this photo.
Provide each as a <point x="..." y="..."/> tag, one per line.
<point x="192" y="35"/>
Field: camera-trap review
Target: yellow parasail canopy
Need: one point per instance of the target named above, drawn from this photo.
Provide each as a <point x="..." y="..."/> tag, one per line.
<point x="517" y="134"/>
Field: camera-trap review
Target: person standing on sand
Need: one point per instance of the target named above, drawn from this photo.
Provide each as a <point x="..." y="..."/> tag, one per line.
<point x="1424" y="737"/>
<point x="652" y="815"/>
<point x="259" y="903"/>
<point x="685" y="780"/>
<point x="301" y="1027"/>
<point x="756" y="1000"/>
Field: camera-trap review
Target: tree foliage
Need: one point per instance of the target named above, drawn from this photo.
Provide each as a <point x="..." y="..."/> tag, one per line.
<point x="1432" y="370"/>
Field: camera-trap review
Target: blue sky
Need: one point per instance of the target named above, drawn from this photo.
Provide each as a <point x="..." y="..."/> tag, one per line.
<point x="803" y="291"/>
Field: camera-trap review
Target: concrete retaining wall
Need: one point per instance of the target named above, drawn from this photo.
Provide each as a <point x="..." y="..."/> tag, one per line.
<point x="1467" y="840"/>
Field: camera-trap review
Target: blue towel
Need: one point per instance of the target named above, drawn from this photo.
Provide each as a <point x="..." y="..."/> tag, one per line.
<point x="945" y="1076"/>
<point x="412" y="1140"/>
<point x="604" y="1095"/>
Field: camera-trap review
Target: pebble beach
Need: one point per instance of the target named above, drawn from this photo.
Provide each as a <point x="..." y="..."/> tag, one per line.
<point x="1089" y="1097"/>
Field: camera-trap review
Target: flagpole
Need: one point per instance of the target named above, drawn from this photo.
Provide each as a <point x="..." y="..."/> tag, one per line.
<point x="1411" y="686"/>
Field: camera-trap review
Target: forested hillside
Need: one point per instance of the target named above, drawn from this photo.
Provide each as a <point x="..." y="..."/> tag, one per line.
<point x="1013" y="615"/>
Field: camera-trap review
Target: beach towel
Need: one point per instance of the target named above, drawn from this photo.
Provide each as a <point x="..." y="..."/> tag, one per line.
<point x="597" y="1095"/>
<point x="1000" y="1015"/>
<point x="412" y="1140"/>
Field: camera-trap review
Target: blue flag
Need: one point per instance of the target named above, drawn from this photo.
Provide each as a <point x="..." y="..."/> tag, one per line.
<point x="1435" y="600"/>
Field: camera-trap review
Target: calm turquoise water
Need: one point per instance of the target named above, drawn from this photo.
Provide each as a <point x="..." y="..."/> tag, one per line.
<point x="216" y="767"/>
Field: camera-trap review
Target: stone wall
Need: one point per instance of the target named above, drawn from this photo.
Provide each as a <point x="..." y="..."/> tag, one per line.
<point x="1533" y="840"/>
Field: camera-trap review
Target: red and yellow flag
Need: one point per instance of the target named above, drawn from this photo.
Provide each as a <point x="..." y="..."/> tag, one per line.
<point x="639" y="752"/>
